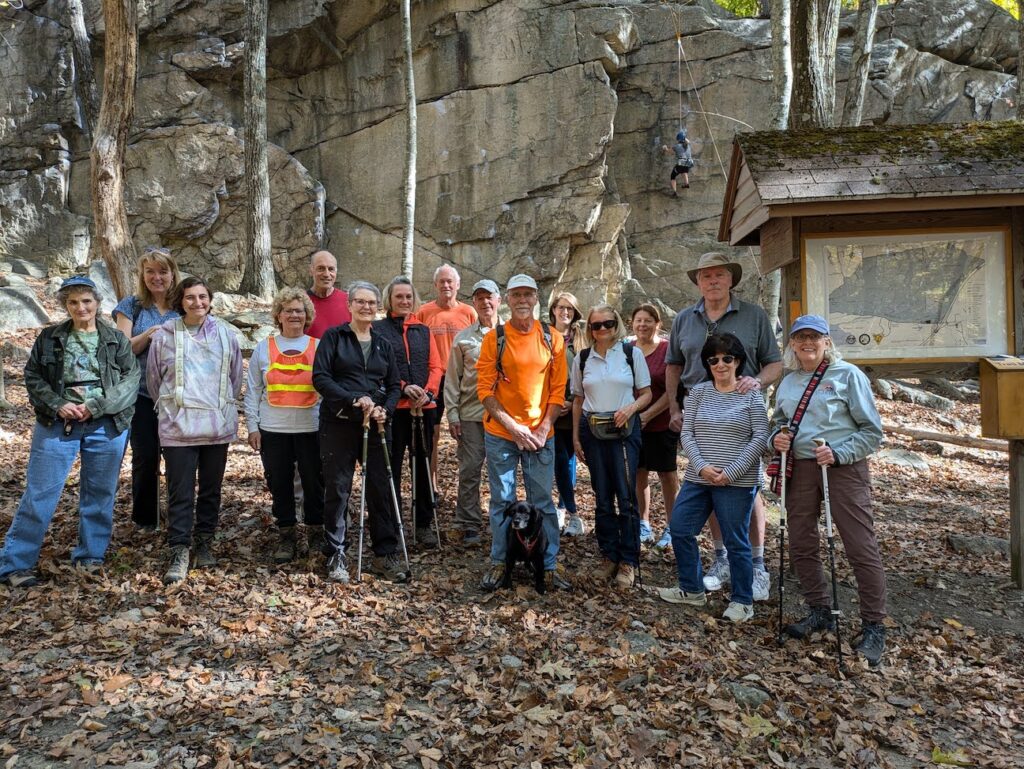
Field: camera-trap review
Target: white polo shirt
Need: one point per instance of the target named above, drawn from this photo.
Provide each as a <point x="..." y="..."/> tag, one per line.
<point x="607" y="383"/>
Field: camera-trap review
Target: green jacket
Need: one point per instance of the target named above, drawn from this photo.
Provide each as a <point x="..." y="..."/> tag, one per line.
<point x="119" y="373"/>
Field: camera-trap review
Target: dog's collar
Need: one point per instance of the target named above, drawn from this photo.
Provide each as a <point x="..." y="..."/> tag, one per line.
<point x="528" y="544"/>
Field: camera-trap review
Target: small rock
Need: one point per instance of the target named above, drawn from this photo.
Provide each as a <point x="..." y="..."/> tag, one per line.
<point x="224" y="303"/>
<point x="19" y="308"/>
<point x="950" y="421"/>
<point x="344" y="716"/>
<point x="23" y="267"/>
<point x="46" y="656"/>
<point x="978" y="545"/>
<point x="566" y="690"/>
<point x="250" y="319"/>
<point x="640" y="643"/>
<point x="903" y="458"/>
<point x="747" y="696"/>
<point x="132" y="615"/>
<point x="11" y="279"/>
<point x="511" y="661"/>
<point x="930" y="447"/>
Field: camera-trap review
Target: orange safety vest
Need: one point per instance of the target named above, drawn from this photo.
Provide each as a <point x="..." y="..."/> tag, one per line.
<point x="290" y="377"/>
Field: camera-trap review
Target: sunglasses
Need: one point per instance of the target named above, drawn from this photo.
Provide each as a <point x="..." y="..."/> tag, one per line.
<point x="726" y="359"/>
<point x="597" y="325"/>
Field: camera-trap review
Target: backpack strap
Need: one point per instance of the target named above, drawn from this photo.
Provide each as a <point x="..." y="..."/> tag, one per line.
<point x="179" y="362"/>
<point x="584" y="354"/>
<point x="627" y="349"/>
<point x="500" y="331"/>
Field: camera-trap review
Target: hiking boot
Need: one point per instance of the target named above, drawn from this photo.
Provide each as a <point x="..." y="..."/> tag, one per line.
<point x="336" y="570"/>
<point x="493" y="578"/>
<point x="762" y="584"/>
<point x="425" y="537"/>
<point x="315" y="540"/>
<point x="205" y="558"/>
<point x="872" y="642"/>
<point x="625" y="576"/>
<point x="605" y="571"/>
<point x="819" y="618"/>
<point x="678" y="595"/>
<point x="666" y="540"/>
<point x="178" y="569"/>
<point x="285" y="550"/>
<point x="390" y="567"/>
<point x="471" y="538"/>
<point x="575" y="527"/>
<point x="23" y="578"/>
<point x="646" y="533"/>
<point x="738" y="612"/>
<point x="555" y="579"/>
<point x="717" y="576"/>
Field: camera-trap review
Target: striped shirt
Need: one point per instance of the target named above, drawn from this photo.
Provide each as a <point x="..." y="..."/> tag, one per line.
<point x="725" y="430"/>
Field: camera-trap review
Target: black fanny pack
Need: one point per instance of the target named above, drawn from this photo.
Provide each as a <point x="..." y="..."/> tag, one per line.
<point x="602" y="426"/>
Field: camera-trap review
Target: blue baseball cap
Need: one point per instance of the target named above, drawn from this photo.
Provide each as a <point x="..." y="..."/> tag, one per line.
<point x="813" y="322"/>
<point x="681" y="136"/>
<point x="487" y="285"/>
<point x="78" y="280"/>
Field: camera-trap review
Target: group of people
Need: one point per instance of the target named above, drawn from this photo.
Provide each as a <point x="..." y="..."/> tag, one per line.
<point x="364" y="377"/>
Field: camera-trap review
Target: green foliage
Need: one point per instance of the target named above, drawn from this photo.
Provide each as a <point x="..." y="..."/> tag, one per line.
<point x="753" y="7"/>
<point x="1010" y="6"/>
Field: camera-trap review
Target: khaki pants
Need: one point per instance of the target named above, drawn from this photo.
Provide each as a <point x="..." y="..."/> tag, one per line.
<point x="470" y="454"/>
<point x="850" y="496"/>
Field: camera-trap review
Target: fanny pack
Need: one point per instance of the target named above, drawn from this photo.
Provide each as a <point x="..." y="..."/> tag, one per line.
<point x="602" y="426"/>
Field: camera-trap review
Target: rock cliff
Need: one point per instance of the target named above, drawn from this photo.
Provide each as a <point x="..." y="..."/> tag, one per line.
<point x="540" y="122"/>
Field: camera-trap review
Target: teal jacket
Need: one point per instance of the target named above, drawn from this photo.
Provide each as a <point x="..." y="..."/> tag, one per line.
<point x="119" y="373"/>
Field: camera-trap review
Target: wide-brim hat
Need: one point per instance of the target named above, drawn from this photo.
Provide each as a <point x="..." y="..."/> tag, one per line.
<point x="715" y="259"/>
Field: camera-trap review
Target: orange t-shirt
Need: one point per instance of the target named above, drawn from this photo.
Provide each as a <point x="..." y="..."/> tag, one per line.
<point x="534" y="376"/>
<point x="445" y="324"/>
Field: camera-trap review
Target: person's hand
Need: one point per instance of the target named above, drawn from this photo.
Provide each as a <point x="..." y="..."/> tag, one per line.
<point x="86" y="414"/>
<point x="379" y="414"/>
<point x="675" y="422"/>
<point x="644" y="419"/>
<point x="823" y="455"/>
<point x="747" y="383"/>
<point x="566" y="408"/>
<point x="70" y="411"/>
<point x="622" y="415"/>
<point x="713" y="475"/>
<point x="522" y="436"/>
<point x="417" y="396"/>
<point x="455" y="428"/>
<point x="540" y="435"/>
<point x="366" y="404"/>
<point x="578" y="448"/>
<point x="782" y="441"/>
<point x="255" y="440"/>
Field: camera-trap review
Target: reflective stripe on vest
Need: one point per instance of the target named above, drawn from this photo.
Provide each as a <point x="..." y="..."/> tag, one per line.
<point x="290" y="377"/>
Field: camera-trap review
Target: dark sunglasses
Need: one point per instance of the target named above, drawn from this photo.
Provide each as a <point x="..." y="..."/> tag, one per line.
<point x="726" y="359"/>
<point x="597" y="325"/>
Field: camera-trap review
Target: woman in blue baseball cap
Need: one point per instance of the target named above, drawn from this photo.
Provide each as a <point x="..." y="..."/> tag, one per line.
<point x="81" y="378"/>
<point x="839" y="410"/>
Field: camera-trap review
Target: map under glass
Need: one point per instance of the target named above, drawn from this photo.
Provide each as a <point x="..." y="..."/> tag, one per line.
<point x="936" y="295"/>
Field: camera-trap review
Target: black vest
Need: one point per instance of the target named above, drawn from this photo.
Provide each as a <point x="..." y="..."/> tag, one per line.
<point x="414" y="365"/>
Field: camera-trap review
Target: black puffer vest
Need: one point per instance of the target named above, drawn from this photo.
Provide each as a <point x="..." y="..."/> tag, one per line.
<point x="411" y="343"/>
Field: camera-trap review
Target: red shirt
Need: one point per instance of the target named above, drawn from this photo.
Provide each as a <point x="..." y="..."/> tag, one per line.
<point x="656" y="365"/>
<point x="331" y="310"/>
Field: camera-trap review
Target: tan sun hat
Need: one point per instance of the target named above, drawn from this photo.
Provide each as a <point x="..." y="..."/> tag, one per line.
<point x="716" y="259"/>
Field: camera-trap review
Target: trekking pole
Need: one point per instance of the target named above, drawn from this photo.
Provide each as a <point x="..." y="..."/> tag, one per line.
<point x="362" y="497"/>
<point x="780" y="639"/>
<point x="829" y="534"/>
<point x="417" y="416"/>
<point x="412" y="472"/>
<point x="633" y="513"/>
<point x="394" y="499"/>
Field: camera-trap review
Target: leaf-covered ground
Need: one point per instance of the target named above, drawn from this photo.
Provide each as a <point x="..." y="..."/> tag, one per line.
<point x="253" y="665"/>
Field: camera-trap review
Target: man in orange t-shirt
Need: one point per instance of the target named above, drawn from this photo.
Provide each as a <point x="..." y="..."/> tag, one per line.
<point x="523" y="390"/>
<point x="445" y="318"/>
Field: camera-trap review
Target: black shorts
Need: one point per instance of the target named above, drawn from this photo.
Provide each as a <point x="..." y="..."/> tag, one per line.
<point x="680" y="170"/>
<point x="658" y="451"/>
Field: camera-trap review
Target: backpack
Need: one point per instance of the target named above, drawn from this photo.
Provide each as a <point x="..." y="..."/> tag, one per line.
<point x="500" y="331"/>
<point x="627" y="349"/>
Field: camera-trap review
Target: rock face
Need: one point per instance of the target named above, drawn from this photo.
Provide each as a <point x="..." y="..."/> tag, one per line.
<point x="541" y="127"/>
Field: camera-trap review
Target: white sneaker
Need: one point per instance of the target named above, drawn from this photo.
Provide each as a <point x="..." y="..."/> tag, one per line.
<point x="762" y="584"/>
<point x="666" y="540"/>
<point x="717" y="576"/>
<point x="677" y="595"/>
<point x="560" y="512"/>
<point x="575" y="527"/>
<point x="336" y="571"/>
<point x="738" y="612"/>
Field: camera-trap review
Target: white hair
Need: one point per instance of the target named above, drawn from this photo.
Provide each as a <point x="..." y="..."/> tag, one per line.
<point x="446" y="266"/>
<point x="789" y="360"/>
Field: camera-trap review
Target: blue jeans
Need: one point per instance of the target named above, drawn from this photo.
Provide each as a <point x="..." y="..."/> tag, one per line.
<point x="618" y="533"/>
<point x="503" y="456"/>
<point x="49" y="462"/>
<point x="565" y="470"/>
<point x="732" y="505"/>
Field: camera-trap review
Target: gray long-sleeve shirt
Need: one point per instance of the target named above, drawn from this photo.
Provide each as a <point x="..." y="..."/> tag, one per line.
<point x="726" y="430"/>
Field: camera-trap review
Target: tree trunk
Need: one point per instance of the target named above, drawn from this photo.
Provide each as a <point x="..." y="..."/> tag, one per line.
<point x="85" y="76"/>
<point x="988" y="444"/>
<point x="815" y="30"/>
<point x="258" y="277"/>
<point x="1020" y="59"/>
<point x="409" y="231"/>
<point x="857" y="84"/>
<point x="110" y="140"/>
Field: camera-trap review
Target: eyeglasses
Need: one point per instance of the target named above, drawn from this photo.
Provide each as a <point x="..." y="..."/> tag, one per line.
<point x="294" y="311"/>
<point x="148" y="250"/>
<point x="562" y="308"/>
<point x="726" y="359"/>
<point x="597" y="325"/>
<point x="808" y="336"/>
<point x="364" y="302"/>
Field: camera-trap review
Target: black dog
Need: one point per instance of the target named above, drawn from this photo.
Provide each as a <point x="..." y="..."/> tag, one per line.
<point x="526" y="542"/>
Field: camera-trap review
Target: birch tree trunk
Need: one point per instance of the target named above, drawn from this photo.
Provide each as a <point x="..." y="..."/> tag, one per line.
<point x="110" y="140"/>
<point x="258" y="277"/>
<point x="85" y="76"/>
<point x="1020" y="59"/>
<point x="856" y="86"/>
<point x="409" y="230"/>
<point x="815" y="30"/>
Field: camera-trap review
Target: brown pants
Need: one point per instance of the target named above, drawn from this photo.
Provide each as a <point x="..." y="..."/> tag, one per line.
<point x="850" y="494"/>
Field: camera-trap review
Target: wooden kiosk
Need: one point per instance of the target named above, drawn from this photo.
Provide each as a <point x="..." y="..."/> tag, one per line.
<point x="910" y="241"/>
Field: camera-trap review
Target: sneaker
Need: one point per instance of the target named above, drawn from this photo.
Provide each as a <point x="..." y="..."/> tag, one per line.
<point x="471" y="538"/>
<point x="493" y="578"/>
<point x="646" y="533"/>
<point x="819" y="618"/>
<point x="738" y="612"/>
<point x="555" y="579"/>
<point x="625" y="576"/>
<point x="872" y="642"/>
<point x="390" y="567"/>
<point x="285" y="550"/>
<point x="560" y="512"/>
<point x="575" y="527"/>
<point x="605" y="571"/>
<point x="178" y="568"/>
<point x="666" y="540"/>
<point x="677" y="595"/>
<point x="205" y="558"/>
<point x="336" y="570"/>
<point x="762" y="584"/>
<point x="717" y="576"/>
<point x="426" y="537"/>
<point x="315" y="540"/>
<point x="23" y="578"/>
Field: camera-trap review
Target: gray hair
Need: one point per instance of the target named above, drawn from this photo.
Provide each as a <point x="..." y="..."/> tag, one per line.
<point x="65" y="293"/>
<point x="364" y="285"/>
<point x="400" y="280"/>
<point x="446" y="266"/>
<point x="790" y="362"/>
